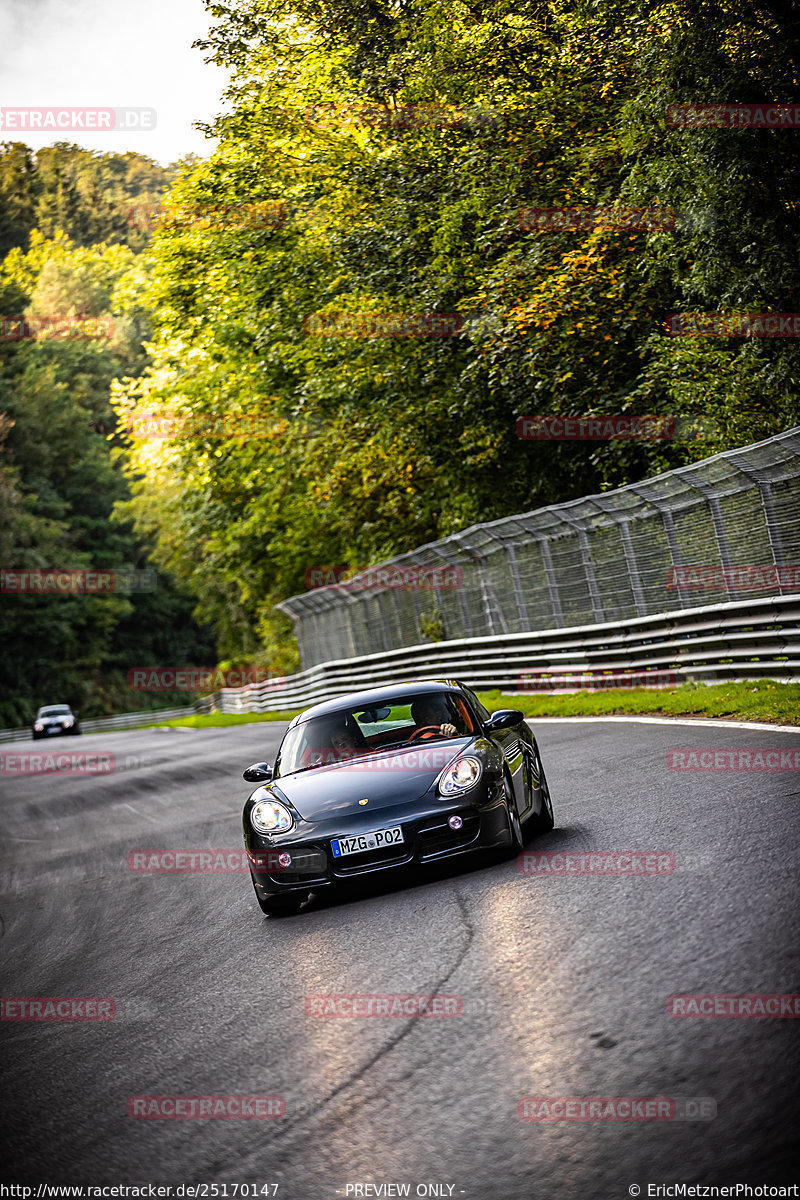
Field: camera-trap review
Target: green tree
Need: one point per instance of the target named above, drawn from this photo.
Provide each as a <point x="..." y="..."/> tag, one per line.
<point x="58" y="485"/>
<point x="92" y="197"/>
<point x="378" y="444"/>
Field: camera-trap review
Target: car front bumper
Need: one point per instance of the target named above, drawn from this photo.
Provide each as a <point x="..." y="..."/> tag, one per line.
<point x="428" y="838"/>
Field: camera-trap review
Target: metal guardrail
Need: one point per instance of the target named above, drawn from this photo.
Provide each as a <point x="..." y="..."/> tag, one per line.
<point x="121" y="721"/>
<point x="128" y="720"/>
<point x="605" y="558"/>
<point x="525" y="577"/>
<point x="749" y="639"/>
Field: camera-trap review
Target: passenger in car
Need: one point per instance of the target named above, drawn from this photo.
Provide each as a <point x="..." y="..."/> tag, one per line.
<point x="330" y="741"/>
<point x="343" y="742"/>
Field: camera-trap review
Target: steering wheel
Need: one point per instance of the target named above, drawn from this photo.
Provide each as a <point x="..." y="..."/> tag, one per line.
<point x="418" y="733"/>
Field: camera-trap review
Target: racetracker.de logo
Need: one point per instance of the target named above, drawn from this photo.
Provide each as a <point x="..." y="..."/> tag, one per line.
<point x="761" y="578"/>
<point x="200" y="679"/>
<point x="20" y="329"/>
<point x="393" y="1004"/>
<point x="169" y="426"/>
<point x="597" y="862"/>
<point x="741" y="1004"/>
<point x="743" y="325"/>
<point x="69" y="581"/>
<point x="65" y="762"/>
<point x="407" y="116"/>
<point x="57" y="1008"/>
<point x="733" y="116"/>
<point x="208" y="1108"/>
<point x="590" y="681"/>
<point x="717" y="758"/>
<point x="597" y="1108"/>
<point x="380" y="325"/>
<point x="410" y="762"/>
<point x="60" y="120"/>
<point x="194" y="862"/>
<point x="403" y="579"/>
<point x="623" y="427"/>
<point x="632" y="220"/>
<point x="264" y="214"/>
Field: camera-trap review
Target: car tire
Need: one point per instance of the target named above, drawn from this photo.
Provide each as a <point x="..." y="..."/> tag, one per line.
<point x="35" y="736"/>
<point x="278" y="906"/>
<point x="514" y="823"/>
<point x="544" y="821"/>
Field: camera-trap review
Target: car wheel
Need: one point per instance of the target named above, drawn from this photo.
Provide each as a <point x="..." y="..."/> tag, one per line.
<point x="514" y="823"/>
<point x="544" y="821"/>
<point x="35" y="736"/>
<point x="278" y="906"/>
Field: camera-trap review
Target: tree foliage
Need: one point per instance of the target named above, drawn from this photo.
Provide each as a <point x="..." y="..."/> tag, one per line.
<point x="89" y="196"/>
<point x="58" y="486"/>
<point x="379" y="444"/>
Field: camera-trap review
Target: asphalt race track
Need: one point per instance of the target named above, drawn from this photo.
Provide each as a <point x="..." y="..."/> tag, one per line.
<point x="563" y="983"/>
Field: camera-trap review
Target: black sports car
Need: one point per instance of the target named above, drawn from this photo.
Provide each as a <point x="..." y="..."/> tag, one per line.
<point x="54" y="719"/>
<point x="389" y="778"/>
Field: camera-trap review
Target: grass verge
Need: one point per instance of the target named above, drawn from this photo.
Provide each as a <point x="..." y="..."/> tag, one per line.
<point x="219" y="720"/>
<point x="757" y="700"/>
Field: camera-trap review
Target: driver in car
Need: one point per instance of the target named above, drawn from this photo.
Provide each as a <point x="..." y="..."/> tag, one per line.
<point x="431" y="712"/>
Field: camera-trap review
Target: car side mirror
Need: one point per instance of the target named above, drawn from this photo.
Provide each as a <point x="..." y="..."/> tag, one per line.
<point x="504" y="718"/>
<point x="258" y="773"/>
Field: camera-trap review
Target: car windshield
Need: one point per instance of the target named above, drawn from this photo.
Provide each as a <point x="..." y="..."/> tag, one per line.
<point x="397" y="722"/>
<point x="55" y="710"/>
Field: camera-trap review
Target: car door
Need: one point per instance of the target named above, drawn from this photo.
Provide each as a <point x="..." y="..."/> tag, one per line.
<point x="515" y="751"/>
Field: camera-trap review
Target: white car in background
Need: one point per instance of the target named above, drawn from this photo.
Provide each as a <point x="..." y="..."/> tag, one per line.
<point x="55" y="719"/>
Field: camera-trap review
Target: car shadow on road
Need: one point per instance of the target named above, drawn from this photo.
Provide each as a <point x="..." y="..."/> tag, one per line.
<point x="498" y="864"/>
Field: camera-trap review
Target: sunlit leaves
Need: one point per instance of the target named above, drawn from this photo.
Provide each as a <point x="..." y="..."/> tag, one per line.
<point x="390" y="442"/>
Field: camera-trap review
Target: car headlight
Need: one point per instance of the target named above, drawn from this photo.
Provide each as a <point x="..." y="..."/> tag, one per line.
<point x="460" y="777"/>
<point x="268" y="815"/>
<point x="38" y="725"/>
<point x="69" y="720"/>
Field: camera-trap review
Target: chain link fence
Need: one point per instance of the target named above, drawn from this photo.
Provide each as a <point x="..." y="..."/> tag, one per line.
<point x="724" y="529"/>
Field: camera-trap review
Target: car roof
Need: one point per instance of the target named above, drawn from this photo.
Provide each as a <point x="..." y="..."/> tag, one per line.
<point x="45" y="707"/>
<point x="371" y="696"/>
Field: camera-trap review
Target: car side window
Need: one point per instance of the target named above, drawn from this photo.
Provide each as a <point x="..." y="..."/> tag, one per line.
<point x="476" y="704"/>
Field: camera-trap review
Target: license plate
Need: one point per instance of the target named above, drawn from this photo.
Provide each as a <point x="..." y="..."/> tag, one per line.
<point x="366" y="841"/>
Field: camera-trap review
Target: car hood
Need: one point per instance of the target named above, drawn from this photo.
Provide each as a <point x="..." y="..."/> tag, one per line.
<point x="384" y="780"/>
